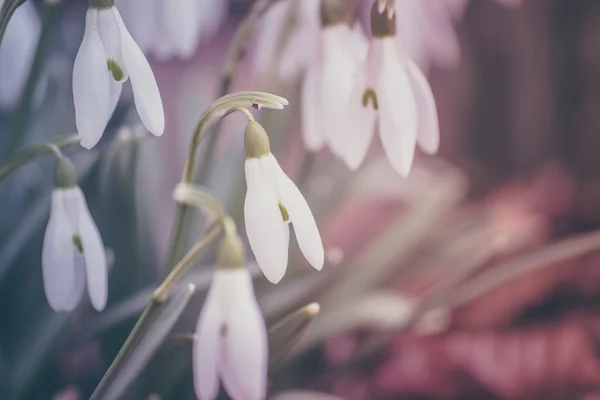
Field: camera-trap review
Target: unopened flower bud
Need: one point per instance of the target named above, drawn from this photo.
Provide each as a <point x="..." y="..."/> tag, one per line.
<point x="65" y="176"/>
<point x="256" y="141"/>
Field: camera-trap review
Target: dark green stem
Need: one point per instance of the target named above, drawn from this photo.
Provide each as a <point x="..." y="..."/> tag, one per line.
<point x="28" y="155"/>
<point x="17" y="133"/>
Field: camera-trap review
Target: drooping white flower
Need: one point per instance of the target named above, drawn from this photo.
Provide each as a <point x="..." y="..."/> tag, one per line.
<point x="174" y="28"/>
<point x="72" y="251"/>
<point x="273" y="201"/>
<point x="329" y="79"/>
<point x="390" y="91"/>
<point x="231" y="336"/>
<point x="16" y="52"/>
<point x="107" y="57"/>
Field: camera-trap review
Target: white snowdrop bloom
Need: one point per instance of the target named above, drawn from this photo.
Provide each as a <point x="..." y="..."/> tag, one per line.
<point x="273" y="201"/>
<point x="16" y="52"/>
<point x="231" y="336"/>
<point x="330" y="77"/>
<point x="107" y="57"/>
<point x="390" y="91"/>
<point x="174" y="28"/>
<point x="72" y="251"/>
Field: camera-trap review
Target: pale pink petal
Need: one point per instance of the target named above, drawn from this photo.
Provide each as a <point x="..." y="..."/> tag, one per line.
<point x="244" y="360"/>
<point x="206" y="345"/>
<point x="264" y="224"/>
<point x="397" y="110"/>
<point x="428" y="136"/>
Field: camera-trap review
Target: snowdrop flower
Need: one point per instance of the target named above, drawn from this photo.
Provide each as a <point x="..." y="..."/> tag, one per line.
<point x="273" y="201"/>
<point x="390" y="91"/>
<point x="108" y="56"/>
<point x="16" y="52"/>
<point x="72" y="251"/>
<point x="330" y="76"/>
<point x="172" y="29"/>
<point x="231" y="336"/>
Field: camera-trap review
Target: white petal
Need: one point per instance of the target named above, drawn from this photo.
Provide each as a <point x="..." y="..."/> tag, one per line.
<point x="397" y="110"/>
<point x="108" y="30"/>
<point x="145" y="90"/>
<point x="340" y="65"/>
<point x="359" y="126"/>
<point x="76" y="292"/>
<point x="206" y="346"/>
<point x="115" y="89"/>
<point x="58" y="264"/>
<point x="313" y="138"/>
<point x="303" y="221"/>
<point x="264" y="224"/>
<point x="244" y="360"/>
<point x="90" y="85"/>
<point x="142" y="29"/>
<point x="94" y="253"/>
<point x="428" y="136"/>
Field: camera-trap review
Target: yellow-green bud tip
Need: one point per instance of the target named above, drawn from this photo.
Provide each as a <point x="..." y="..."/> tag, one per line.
<point x="256" y="141"/>
<point x="230" y="253"/>
<point x="65" y="176"/>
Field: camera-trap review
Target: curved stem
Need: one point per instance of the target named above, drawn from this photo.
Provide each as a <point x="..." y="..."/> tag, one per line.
<point x="17" y="132"/>
<point x="28" y="155"/>
<point x="6" y="12"/>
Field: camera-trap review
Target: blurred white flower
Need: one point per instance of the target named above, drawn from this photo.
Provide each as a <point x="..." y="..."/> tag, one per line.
<point x="72" y="251"/>
<point x="328" y="84"/>
<point x="285" y="39"/>
<point x="231" y="340"/>
<point x="174" y="28"/>
<point x="107" y="57"/>
<point x="273" y="201"/>
<point x="426" y="29"/>
<point x="390" y="91"/>
<point x="16" y="52"/>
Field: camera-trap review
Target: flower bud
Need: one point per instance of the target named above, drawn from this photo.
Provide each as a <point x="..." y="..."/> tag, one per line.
<point x="256" y="141"/>
<point x="382" y="23"/>
<point x="65" y="176"/>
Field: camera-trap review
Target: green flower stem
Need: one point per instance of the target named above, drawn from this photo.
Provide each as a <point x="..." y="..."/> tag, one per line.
<point x="17" y="132"/>
<point x="158" y="298"/>
<point x="28" y="155"/>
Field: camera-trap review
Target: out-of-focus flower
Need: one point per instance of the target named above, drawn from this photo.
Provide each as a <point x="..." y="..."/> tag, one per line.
<point x="72" y="249"/>
<point x="330" y="76"/>
<point x="231" y="336"/>
<point x="426" y="29"/>
<point x="273" y="201"/>
<point x="391" y="90"/>
<point x="16" y="52"/>
<point x="174" y="28"/>
<point x="108" y="56"/>
<point x="286" y="38"/>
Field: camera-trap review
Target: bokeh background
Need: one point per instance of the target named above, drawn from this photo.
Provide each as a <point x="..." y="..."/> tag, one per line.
<point x="478" y="277"/>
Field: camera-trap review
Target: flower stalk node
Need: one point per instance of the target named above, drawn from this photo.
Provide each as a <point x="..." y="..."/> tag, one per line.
<point x="334" y="12"/>
<point x="65" y="176"/>
<point x="383" y="24"/>
<point x="256" y="141"/>
<point x="102" y="4"/>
